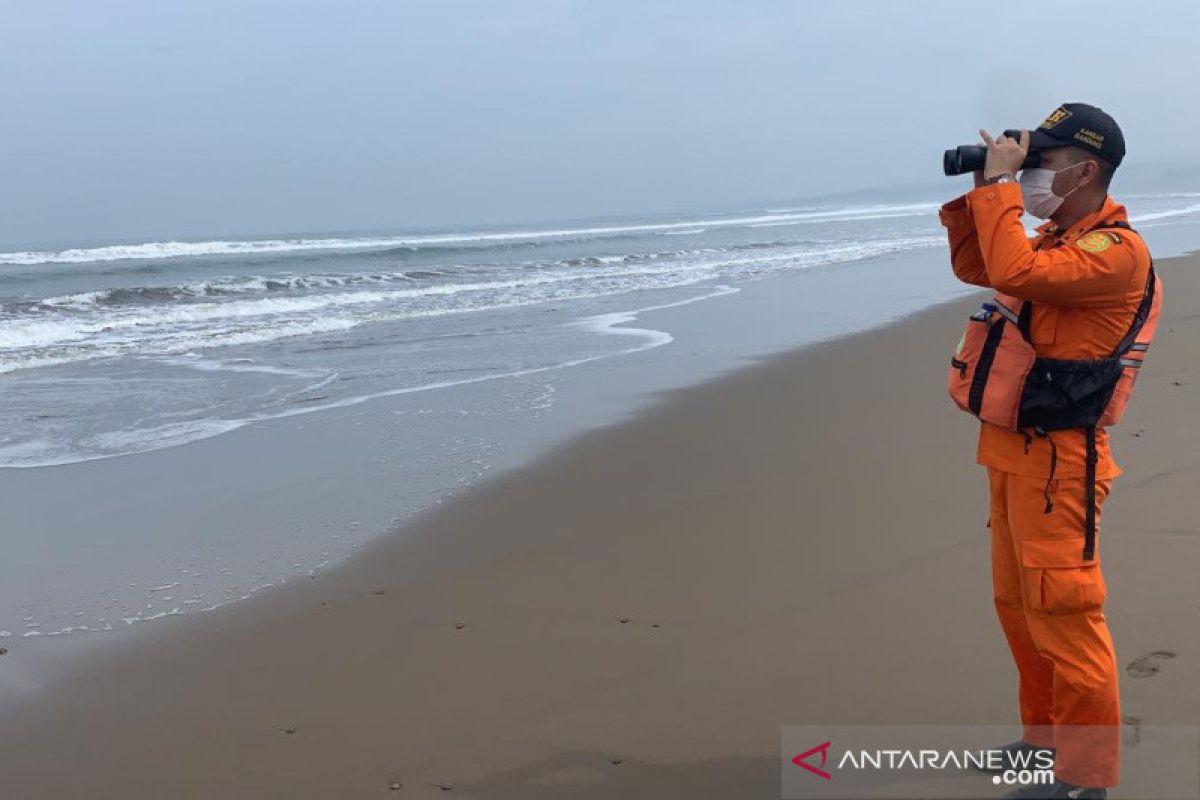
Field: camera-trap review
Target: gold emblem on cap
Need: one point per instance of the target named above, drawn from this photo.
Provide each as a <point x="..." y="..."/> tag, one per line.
<point x="1056" y="116"/>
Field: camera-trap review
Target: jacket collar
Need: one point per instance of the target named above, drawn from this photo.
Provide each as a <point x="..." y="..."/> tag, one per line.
<point x="1110" y="211"/>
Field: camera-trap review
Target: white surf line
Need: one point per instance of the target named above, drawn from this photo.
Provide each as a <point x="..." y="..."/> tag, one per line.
<point x="177" y="249"/>
<point x="1173" y="212"/>
<point x="603" y="323"/>
<point x="149" y="321"/>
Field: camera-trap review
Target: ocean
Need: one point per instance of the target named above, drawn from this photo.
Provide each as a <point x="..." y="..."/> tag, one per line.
<point x="185" y="423"/>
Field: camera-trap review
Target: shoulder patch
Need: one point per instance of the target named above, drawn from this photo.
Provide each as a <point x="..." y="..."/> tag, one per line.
<point x="1095" y="242"/>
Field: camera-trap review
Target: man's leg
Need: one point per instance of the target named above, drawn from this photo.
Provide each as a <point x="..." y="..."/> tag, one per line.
<point x="1036" y="673"/>
<point x="1064" y="598"/>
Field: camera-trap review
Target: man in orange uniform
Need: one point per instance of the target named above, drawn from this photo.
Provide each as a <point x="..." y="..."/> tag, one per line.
<point x="1085" y="283"/>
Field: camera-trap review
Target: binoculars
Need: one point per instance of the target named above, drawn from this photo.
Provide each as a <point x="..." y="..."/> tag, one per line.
<point x="970" y="157"/>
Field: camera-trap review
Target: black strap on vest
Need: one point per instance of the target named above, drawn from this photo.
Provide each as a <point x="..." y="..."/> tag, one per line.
<point x="1089" y="526"/>
<point x="1139" y="318"/>
<point x="1143" y="310"/>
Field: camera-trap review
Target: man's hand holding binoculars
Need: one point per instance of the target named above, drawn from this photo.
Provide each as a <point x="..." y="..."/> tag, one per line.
<point x="1005" y="156"/>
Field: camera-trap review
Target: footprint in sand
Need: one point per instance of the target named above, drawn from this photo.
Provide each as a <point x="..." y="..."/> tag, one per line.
<point x="1149" y="664"/>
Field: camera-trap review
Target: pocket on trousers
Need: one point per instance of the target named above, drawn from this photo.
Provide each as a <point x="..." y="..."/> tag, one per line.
<point x="1057" y="580"/>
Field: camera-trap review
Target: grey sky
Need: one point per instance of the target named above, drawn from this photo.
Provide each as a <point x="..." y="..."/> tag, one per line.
<point x="150" y="119"/>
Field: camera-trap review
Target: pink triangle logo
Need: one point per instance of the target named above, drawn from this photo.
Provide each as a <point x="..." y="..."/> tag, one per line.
<point x="823" y="749"/>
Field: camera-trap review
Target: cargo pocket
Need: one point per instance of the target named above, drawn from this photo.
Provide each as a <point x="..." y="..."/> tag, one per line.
<point x="1057" y="580"/>
<point x="966" y="357"/>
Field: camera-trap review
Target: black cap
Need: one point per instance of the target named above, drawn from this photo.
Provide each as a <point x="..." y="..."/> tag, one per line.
<point x="1083" y="126"/>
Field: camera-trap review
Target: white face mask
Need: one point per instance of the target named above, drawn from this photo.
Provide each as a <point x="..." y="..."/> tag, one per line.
<point x="1037" y="192"/>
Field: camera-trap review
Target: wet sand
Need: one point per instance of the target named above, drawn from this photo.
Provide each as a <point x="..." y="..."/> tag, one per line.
<point x="638" y="613"/>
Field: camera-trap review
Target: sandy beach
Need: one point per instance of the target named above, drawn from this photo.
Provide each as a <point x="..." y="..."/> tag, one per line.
<point x="637" y="614"/>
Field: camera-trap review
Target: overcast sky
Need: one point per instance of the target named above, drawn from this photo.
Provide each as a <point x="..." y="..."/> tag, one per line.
<point x="152" y="119"/>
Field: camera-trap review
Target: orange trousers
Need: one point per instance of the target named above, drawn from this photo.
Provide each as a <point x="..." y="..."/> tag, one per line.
<point x="1050" y="602"/>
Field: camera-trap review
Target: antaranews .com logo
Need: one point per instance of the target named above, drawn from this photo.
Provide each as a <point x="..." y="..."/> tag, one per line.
<point x="930" y="762"/>
<point x="1024" y="768"/>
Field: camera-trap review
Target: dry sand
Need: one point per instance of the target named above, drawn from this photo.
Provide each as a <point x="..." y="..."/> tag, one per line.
<point x="637" y="614"/>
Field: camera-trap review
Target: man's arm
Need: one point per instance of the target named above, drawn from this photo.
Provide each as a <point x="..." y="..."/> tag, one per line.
<point x="1073" y="275"/>
<point x="965" y="257"/>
